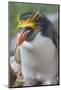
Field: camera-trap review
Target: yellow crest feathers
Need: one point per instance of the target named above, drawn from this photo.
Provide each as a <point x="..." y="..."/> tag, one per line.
<point x="29" y="22"/>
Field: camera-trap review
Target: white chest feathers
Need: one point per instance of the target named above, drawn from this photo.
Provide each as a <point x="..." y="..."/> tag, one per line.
<point x="39" y="58"/>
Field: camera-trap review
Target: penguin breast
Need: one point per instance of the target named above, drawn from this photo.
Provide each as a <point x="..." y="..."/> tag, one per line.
<point x="38" y="56"/>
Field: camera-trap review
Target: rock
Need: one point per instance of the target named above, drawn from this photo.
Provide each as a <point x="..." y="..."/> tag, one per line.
<point x="12" y="76"/>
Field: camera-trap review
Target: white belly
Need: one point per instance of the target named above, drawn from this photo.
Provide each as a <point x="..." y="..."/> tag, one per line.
<point x="39" y="58"/>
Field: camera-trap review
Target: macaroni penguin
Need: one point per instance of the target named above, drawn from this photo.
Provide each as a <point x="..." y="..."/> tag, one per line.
<point x="38" y="54"/>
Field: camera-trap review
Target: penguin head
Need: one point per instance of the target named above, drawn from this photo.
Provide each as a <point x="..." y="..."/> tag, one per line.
<point x="28" y="22"/>
<point x="34" y="22"/>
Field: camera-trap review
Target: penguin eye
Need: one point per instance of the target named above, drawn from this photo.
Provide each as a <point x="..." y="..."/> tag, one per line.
<point x="29" y="28"/>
